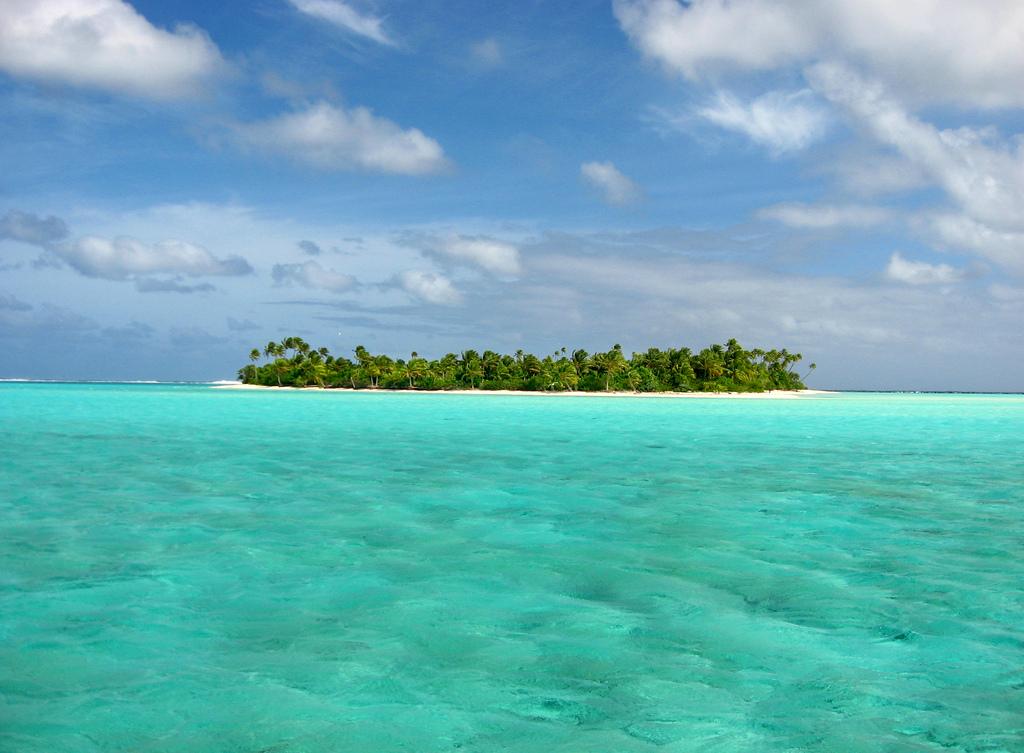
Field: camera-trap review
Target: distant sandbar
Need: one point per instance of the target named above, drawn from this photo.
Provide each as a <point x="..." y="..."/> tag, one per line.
<point x="769" y="395"/>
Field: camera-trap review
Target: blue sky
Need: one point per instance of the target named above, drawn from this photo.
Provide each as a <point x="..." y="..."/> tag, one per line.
<point x="184" y="180"/>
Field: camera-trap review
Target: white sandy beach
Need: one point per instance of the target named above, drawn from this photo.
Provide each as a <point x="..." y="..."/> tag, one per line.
<point x="770" y="395"/>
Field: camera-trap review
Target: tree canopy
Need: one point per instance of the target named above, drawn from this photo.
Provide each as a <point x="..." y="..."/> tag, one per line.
<point x="716" y="368"/>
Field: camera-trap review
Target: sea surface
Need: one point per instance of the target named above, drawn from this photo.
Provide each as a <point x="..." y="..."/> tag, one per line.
<point x="192" y="570"/>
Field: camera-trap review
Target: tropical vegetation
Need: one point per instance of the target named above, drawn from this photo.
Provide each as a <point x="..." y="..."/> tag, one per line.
<point x="716" y="368"/>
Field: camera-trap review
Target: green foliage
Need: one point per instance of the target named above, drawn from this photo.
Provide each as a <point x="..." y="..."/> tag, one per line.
<point x="717" y="368"/>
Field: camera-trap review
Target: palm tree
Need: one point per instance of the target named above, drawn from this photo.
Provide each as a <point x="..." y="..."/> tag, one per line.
<point x="278" y="365"/>
<point x="634" y="377"/>
<point x="367" y="367"/>
<point x="610" y="364"/>
<point x="371" y="371"/>
<point x="271" y="350"/>
<point x="415" y="369"/>
<point x="715" y="367"/>
<point x="680" y="369"/>
<point x="568" y="379"/>
<point x="447" y="367"/>
<point x="254" y="356"/>
<point x="314" y="369"/>
<point x="549" y="374"/>
<point x="531" y="365"/>
<point x="580" y="361"/>
<point x="490" y="362"/>
<point x="473" y="370"/>
<point x="709" y="364"/>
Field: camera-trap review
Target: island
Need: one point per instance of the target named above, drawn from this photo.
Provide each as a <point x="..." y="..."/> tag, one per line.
<point x="716" y="368"/>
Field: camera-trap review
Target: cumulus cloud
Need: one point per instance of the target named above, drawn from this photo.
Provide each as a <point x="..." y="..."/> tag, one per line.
<point x="344" y="16"/>
<point x="780" y="121"/>
<point x="103" y="44"/>
<point x="121" y="258"/>
<point x="921" y="272"/>
<point x="32" y="229"/>
<point x="429" y="287"/>
<point x="928" y="50"/>
<point x="494" y="256"/>
<point x="335" y="138"/>
<point x="614" y="187"/>
<point x="825" y="216"/>
<point x="709" y="34"/>
<point x="126" y="258"/>
<point x="310" y="274"/>
<point x="311" y="248"/>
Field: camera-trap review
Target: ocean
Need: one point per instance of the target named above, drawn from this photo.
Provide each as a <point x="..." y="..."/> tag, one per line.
<point x="187" y="569"/>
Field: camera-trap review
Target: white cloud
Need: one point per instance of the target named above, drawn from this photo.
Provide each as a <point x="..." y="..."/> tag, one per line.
<point x="967" y="53"/>
<point x="267" y="238"/>
<point x="961" y="233"/>
<point x="615" y="187"/>
<point x="429" y="287"/>
<point x="867" y="172"/>
<point x="980" y="172"/>
<point x="126" y="258"/>
<point x="103" y="44"/>
<point x="873" y="61"/>
<point x="659" y="299"/>
<point x="862" y="333"/>
<point x="335" y="138"/>
<point x="985" y="176"/>
<point x="921" y="272"/>
<point x="701" y="35"/>
<point x="310" y="274"/>
<point x="344" y="16"/>
<point x="494" y="256"/>
<point x="819" y="216"/>
<point x="653" y="287"/>
<point x="781" y="121"/>
<point x="487" y="52"/>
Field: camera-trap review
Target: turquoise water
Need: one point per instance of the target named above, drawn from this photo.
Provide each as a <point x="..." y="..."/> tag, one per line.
<point x="184" y="569"/>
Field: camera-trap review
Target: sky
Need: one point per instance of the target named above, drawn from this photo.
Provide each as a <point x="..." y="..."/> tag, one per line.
<point x="185" y="180"/>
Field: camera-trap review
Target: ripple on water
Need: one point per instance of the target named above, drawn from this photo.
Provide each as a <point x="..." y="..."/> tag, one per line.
<point x="196" y="570"/>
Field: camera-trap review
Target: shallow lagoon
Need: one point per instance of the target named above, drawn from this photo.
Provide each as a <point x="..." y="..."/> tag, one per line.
<point x="189" y="570"/>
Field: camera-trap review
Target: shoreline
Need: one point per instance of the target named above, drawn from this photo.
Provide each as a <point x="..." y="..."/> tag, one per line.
<point x="769" y="395"/>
